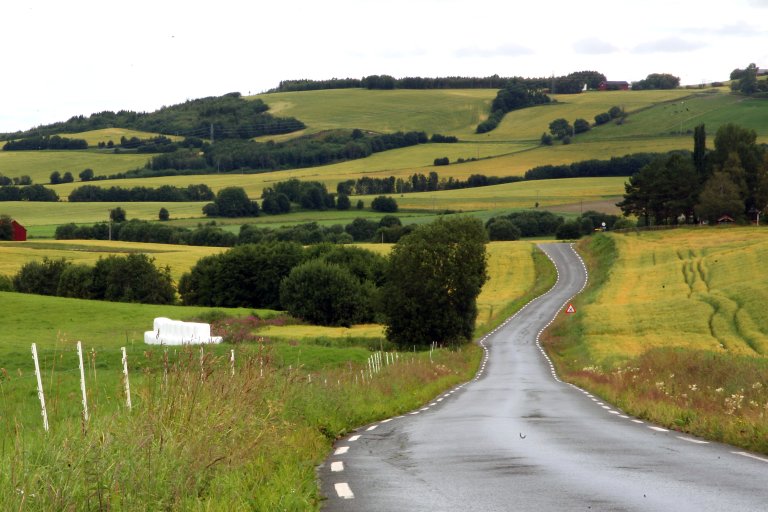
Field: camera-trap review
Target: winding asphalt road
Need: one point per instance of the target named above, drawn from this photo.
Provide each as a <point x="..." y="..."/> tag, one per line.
<point x="518" y="439"/>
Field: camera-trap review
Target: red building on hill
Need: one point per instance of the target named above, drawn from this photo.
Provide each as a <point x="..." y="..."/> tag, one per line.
<point x="609" y="85"/>
<point x="19" y="232"/>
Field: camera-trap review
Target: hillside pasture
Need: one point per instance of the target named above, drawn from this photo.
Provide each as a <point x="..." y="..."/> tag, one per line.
<point x="445" y="111"/>
<point x="694" y="288"/>
<point x="39" y="165"/>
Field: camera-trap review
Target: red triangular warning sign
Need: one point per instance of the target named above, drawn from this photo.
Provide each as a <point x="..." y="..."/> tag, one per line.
<point x="570" y="309"/>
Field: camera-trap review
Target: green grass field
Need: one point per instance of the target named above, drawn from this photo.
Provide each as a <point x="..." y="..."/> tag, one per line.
<point x="39" y="165"/>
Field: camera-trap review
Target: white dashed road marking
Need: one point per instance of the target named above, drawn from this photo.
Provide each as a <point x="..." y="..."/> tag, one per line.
<point x="658" y="429"/>
<point x="745" y="454"/>
<point x="337" y="466"/>
<point x="341" y="450"/>
<point x="343" y="490"/>
<point x="354" y="438"/>
<point x="696" y="441"/>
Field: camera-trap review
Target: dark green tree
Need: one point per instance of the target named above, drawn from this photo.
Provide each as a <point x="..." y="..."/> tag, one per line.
<point x="232" y="202"/>
<point x="500" y="228"/>
<point x="163" y="214"/>
<point x="55" y="178"/>
<point x="700" y="151"/>
<point x="132" y="278"/>
<point x="720" y="196"/>
<point x="362" y="230"/>
<point x="433" y="279"/>
<point x="326" y="294"/>
<point x="67" y="177"/>
<point x="581" y="126"/>
<point x="560" y="128"/>
<point x="86" y="174"/>
<point x="117" y="214"/>
<point x="40" y="277"/>
<point x="384" y="204"/>
<point x="343" y="202"/>
<point x="6" y="228"/>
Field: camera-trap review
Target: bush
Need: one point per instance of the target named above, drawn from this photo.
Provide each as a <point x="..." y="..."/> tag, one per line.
<point x="326" y="294"/>
<point x="132" y="278"/>
<point x="6" y="283"/>
<point x="76" y="281"/>
<point x="40" y="277"/>
<point x="502" y="229"/>
<point x="163" y="214"/>
<point x="442" y="161"/>
<point x="569" y="231"/>
<point x="384" y="204"/>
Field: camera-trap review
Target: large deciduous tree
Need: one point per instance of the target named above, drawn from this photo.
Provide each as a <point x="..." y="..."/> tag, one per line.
<point x="433" y="279"/>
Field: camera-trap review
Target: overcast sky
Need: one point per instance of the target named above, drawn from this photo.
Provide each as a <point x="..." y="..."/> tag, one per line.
<point x="61" y="59"/>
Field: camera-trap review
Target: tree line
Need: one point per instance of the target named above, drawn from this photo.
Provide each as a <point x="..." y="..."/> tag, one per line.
<point x="388" y="229"/>
<point x="164" y="193"/>
<point x="418" y="182"/>
<point x="130" y="278"/>
<point x="28" y="193"/>
<point x="571" y="83"/>
<point x="44" y="142"/>
<point x="626" y="165"/>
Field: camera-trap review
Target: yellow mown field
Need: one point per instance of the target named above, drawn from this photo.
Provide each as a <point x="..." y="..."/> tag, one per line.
<point x="701" y="288"/>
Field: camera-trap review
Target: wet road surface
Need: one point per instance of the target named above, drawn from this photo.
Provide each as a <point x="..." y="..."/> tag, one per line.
<point x="518" y="439"/>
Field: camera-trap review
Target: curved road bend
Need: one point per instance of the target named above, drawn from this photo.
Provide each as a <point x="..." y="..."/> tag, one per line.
<point x="516" y="438"/>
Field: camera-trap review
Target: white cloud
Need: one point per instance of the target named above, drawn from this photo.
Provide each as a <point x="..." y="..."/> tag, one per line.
<point x="594" y="46"/>
<point x="505" y="50"/>
<point x="668" y="45"/>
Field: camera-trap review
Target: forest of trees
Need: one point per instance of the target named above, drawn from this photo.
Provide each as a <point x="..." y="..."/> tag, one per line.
<point x="27" y="193"/>
<point x="730" y="181"/>
<point x="228" y="116"/>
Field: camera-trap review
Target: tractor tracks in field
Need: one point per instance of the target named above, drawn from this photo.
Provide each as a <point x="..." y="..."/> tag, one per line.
<point x="726" y="321"/>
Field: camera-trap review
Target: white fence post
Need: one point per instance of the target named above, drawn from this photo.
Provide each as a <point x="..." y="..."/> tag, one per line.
<point x="82" y="381"/>
<point x="40" y="387"/>
<point x="232" y="361"/>
<point x="127" y="383"/>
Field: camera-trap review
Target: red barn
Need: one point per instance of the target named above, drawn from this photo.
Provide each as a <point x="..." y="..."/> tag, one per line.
<point x="19" y="232"/>
<point x="608" y="85"/>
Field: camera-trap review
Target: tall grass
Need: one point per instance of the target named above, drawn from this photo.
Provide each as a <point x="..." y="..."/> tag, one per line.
<point x="200" y="438"/>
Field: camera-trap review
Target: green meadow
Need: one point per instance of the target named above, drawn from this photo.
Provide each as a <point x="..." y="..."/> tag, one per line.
<point x="39" y="165"/>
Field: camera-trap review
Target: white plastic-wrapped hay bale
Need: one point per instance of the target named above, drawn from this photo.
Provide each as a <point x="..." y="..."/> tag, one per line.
<point x="175" y="332"/>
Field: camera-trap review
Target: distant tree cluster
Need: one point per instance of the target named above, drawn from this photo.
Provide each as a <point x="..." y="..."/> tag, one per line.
<point x="130" y="278"/>
<point x="418" y="182"/>
<point x="227" y="116"/>
<point x="615" y="166"/>
<point x="16" y="180"/>
<point x="44" y="142"/>
<point x="657" y="81"/>
<point x="746" y="81"/>
<point x="614" y="112"/>
<point x="28" y="193"/>
<point x="731" y="180"/>
<point x="164" y="193"/>
<point x="515" y="95"/>
<point x="542" y="223"/>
